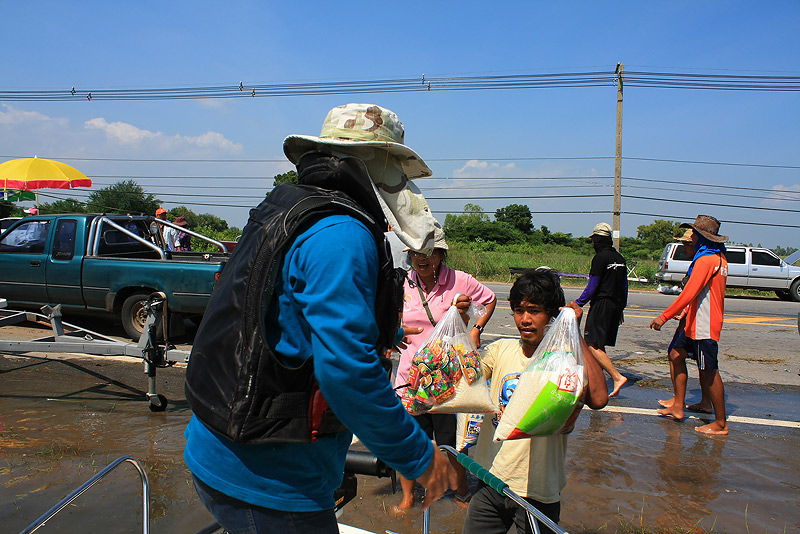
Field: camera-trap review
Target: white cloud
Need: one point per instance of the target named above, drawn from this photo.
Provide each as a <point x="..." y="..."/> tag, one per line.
<point x="128" y="134"/>
<point x="781" y="193"/>
<point x="483" y="169"/>
<point x="18" y="117"/>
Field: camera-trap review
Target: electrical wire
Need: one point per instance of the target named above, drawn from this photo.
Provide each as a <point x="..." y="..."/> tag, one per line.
<point x="601" y="78"/>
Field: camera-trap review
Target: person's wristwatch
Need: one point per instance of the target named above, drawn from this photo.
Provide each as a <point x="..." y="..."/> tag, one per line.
<point x="478" y="327"/>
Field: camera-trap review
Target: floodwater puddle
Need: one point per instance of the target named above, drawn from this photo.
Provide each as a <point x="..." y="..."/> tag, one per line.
<point x="63" y="421"/>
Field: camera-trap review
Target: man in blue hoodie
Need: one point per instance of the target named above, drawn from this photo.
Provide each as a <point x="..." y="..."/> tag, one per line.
<point x="326" y="300"/>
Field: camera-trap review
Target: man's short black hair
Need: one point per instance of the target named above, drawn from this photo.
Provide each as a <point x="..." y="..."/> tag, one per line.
<point x="542" y="287"/>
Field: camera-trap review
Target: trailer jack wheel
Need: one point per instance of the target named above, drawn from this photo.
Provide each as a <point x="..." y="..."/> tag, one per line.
<point x="158" y="402"/>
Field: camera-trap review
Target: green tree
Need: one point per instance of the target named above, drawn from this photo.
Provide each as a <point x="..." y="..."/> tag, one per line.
<point x="194" y="220"/>
<point x="475" y="212"/>
<point x="657" y="234"/>
<point x="475" y="225"/>
<point x="6" y="208"/>
<point x="466" y="226"/>
<point x="66" y="205"/>
<point x="517" y="215"/>
<point x="287" y="177"/>
<point x="783" y="252"/>
<point x="123" y="197"/>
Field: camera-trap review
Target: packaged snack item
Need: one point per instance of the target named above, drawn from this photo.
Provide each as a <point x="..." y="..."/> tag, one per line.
<point x="445" y="374"/>
<point x="546" y="400"/>
<point x="468" y="426"/>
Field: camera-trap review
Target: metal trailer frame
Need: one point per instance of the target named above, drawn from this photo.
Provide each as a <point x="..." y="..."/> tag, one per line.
<point x="81" y="340"/>
<point x="501" y="487"/>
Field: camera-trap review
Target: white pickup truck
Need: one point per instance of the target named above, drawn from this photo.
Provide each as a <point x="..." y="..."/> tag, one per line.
<point x="748" y="268"/>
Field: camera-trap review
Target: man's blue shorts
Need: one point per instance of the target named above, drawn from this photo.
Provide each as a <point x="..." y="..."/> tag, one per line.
<point x="679" y="340"/>
<point x="705" y="351"/>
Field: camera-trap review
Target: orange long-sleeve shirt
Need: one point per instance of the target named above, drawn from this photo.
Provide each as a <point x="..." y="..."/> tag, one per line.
<point x="705" y="295"/>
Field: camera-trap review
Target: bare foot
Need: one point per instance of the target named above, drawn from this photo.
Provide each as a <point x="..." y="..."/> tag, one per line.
<point x="618" y="385"/>
<point x="462" y="499"/>
<point x="400" y="509"/>
<point x="676" y="414"/>
<point x="667" y="403"/>
<point x="699" y="407"/>
<point x="713" y="428"/>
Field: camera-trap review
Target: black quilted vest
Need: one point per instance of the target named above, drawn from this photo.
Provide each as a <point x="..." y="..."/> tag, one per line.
<point x="235" y="382"/>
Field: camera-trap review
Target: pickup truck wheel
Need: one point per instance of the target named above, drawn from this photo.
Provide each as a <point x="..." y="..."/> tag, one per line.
<point x="134" y="315"/>
<point x="795" y="290"/>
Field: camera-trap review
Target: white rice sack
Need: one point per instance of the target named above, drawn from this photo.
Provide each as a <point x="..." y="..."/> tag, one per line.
<point x="547" y="397"/>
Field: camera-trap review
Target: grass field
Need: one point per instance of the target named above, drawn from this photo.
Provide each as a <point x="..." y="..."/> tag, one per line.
<point x="493" y="266"/>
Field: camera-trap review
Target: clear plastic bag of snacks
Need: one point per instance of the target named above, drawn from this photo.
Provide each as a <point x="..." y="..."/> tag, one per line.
<point x="445" y="374"/>
<point x="546" y="400"/>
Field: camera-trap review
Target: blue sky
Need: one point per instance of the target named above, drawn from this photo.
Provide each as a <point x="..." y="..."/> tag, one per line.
<point x="479" y="143"/>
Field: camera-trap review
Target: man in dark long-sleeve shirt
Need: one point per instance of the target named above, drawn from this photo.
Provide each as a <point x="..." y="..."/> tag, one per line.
<point x="608" y="292"/>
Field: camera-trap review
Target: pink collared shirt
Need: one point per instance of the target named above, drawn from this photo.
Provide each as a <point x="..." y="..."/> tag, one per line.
<point x="450" y="283"/>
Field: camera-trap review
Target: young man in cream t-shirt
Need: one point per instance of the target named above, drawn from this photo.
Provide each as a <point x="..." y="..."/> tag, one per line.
<point x="533" y="468"/>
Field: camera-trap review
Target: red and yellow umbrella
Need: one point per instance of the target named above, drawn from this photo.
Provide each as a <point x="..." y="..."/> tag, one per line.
<point x="40" y="173"/>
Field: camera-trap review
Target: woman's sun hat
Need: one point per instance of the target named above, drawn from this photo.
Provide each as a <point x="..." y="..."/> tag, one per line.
<point x="360" y="126"/>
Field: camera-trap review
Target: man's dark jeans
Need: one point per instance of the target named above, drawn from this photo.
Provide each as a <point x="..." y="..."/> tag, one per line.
<point x="239" y="517"/>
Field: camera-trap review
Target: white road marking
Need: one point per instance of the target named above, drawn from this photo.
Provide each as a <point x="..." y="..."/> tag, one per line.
<point x="731" y="418"/>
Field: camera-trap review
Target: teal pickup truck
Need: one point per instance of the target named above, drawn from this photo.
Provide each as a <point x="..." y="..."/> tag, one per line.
<point x="104" y="263"/>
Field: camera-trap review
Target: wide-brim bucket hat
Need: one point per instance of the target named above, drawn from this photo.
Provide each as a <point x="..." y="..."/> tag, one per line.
<point x="357" y="127"/>
<point x="708" y="227"/>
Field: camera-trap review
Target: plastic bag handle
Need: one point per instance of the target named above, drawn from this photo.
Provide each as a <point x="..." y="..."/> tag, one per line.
<point x="475" y="309"/>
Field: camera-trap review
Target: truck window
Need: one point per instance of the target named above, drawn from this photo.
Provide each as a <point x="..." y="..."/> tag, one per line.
<point x="680" y="254"/>
<point x="762" y="257"/>
<point x="735" y="256"/>
<point x="28" y="237"/>
<point x="64" y="247"/>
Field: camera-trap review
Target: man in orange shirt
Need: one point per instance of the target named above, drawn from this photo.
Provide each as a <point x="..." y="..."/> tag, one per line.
<point x="705" y="295"/>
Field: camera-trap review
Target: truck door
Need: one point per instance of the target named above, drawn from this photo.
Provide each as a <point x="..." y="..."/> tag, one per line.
<point x="767" y="270"/>
<point x="737" y="267"/>
<point x="23" y="255"/>
<point x="64" y="266"/>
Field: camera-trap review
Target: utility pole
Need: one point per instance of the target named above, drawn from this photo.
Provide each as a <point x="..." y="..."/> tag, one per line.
<point x="618" y="161"/>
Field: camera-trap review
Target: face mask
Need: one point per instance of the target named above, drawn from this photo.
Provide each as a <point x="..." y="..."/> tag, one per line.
<point x="402" y="202"/>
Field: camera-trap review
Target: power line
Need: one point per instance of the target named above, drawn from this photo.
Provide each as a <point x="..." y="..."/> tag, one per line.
<point x="601" y="78"/>
<point x="717" y="204"/>
<point x="761" y="165"/>
<point x="472" y="158"/>
<point x="673" y="216"/>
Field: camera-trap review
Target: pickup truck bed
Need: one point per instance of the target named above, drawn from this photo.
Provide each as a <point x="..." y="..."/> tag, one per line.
<point x="104" y="264"/>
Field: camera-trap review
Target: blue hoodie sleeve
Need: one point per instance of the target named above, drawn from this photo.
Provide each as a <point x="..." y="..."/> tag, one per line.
<point x="333" y="275"/>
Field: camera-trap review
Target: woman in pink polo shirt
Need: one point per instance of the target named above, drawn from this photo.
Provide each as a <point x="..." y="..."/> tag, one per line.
<point x="430" y="289"/>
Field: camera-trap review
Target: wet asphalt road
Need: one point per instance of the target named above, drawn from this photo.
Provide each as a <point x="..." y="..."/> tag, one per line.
<point x="62" y="420"/>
